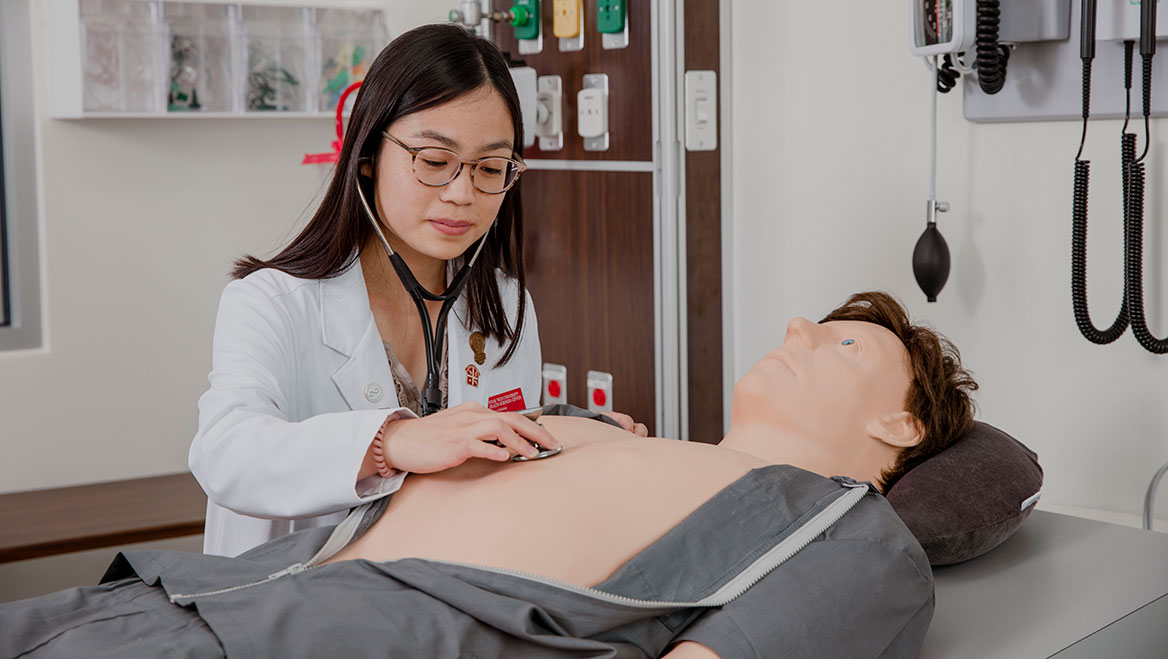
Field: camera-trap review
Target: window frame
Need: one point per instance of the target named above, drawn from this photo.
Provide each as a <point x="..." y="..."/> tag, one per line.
<point x="22" y="325"/>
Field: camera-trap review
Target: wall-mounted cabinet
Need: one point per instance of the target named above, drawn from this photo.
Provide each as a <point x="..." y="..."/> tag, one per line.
<point x="119" y="58"/>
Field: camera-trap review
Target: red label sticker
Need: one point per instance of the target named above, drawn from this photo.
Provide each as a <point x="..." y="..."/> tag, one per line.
<point x="508" y="401"/>
<point x="598" y="397"/>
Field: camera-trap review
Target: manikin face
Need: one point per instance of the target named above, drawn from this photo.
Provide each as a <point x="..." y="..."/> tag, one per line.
<point x="827" y="382"/>
<point x="441" y="222"/>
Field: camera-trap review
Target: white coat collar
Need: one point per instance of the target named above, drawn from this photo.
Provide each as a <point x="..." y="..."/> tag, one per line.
<point x="345" y="316"/>
<point x="347" y="326"/>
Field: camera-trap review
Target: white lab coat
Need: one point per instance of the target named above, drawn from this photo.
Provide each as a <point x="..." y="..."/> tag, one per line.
<point x="300" y="385"/>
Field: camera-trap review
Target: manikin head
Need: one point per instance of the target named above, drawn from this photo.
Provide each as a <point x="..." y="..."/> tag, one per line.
<point x="863" y="393"/>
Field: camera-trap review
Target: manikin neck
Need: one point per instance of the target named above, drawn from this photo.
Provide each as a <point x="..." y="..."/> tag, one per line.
<point x="864" y="460"/>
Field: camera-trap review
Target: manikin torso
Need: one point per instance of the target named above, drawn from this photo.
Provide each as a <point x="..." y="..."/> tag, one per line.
<point x="576" y="517"/>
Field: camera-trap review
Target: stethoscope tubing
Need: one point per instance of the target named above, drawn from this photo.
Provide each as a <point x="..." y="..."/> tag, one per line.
<point x="431" y="393"/>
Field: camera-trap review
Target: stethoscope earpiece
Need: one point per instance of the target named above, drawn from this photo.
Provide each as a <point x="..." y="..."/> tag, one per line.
<point x="365" y="167"/>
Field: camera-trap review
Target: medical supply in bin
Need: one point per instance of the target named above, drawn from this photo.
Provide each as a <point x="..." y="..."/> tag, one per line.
<point x="152" y="57"/>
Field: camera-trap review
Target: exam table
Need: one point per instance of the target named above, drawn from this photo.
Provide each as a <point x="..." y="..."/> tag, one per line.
<point x="1060" y="586"/>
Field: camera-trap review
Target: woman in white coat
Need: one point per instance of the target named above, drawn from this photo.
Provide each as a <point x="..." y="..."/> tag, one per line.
<point x="319" y="355"/>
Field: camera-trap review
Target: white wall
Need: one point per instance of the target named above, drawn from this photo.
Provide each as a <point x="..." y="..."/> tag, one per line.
<point x="831" y="157"/>
<point x="140" y="221"/>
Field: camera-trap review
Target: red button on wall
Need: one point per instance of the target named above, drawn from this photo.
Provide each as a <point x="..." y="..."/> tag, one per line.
<point x="554" y="388"/>
<point x="598" y="396"/>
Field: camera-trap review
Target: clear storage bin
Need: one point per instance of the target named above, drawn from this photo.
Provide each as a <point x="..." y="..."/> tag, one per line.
<point x="350" y="40"/>
<point x="206" y="70"/>
<point x="123" y="56"/>
<point x="282" y="59"/>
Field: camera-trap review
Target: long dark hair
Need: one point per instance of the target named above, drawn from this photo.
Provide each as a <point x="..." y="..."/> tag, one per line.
<point x="423" y="68"/>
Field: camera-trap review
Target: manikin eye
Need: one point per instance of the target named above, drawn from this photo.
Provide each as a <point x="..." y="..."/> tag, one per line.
<point x="847" y="342"/>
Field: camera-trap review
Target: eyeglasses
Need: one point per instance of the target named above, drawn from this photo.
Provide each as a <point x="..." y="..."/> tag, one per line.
<point x="436" y="167"/>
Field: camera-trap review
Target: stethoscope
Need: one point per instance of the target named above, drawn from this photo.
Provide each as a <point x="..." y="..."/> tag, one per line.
<point x="432" y="392"/>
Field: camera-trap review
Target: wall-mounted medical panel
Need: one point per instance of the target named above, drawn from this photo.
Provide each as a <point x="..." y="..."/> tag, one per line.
<point x="1044" y="81"/>
<point x="630" y="84"/>
<point x="154" y="58"/>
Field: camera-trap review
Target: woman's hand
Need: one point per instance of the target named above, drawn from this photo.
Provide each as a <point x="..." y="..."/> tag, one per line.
<point x="448" y="438"/>
<point x="626" y="421"/>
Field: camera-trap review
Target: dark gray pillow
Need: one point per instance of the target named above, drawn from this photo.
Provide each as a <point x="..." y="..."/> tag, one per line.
<point x="967" y="499"/>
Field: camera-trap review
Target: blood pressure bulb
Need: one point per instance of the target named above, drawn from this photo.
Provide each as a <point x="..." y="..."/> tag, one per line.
<point x="931" y="262"/>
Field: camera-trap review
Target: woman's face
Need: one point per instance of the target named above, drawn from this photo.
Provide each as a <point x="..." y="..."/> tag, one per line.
<point x="441" y="222"/>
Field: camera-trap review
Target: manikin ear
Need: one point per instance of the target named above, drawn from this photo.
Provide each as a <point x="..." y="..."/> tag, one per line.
<point x="900" y="429"/>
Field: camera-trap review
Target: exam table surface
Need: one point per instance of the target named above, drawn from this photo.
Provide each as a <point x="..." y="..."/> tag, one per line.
<point x="55" y="521"/>
<point x="1061" y="586"/>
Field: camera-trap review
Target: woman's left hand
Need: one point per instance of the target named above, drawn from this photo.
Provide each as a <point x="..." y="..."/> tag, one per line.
<point x="626" y="421"/>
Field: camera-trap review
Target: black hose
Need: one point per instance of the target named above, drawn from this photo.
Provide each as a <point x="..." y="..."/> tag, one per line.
<point x="992" y="56"/>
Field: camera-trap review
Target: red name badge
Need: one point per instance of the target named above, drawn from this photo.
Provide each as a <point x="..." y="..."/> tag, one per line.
<point x="508" y="401"/>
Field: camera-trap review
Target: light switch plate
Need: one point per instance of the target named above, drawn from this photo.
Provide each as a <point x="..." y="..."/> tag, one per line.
<point x="551" y="130"/>
<point x="701" y="110"/>
<point x="525" y="85"/>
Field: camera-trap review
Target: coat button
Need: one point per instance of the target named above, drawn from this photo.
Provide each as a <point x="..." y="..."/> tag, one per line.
<point x="372" y="392"/>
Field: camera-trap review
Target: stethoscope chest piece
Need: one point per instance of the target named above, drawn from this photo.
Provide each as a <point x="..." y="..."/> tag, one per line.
<point x="543" y="453"/>
<point x="534" y="413"/>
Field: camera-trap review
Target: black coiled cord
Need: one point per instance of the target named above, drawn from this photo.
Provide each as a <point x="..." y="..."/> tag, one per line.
<point x="1079" y="231"/>
<point x="992" y="56"/>
<point x="1133" y="263"/>
<point x="1133" y="266"/>
<point x="947" y="75"/>
<point x="1079" y="267"/>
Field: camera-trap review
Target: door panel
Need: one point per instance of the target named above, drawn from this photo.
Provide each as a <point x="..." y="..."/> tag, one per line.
<point x="590" y="270"/>
<point x="703" y="248"/>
